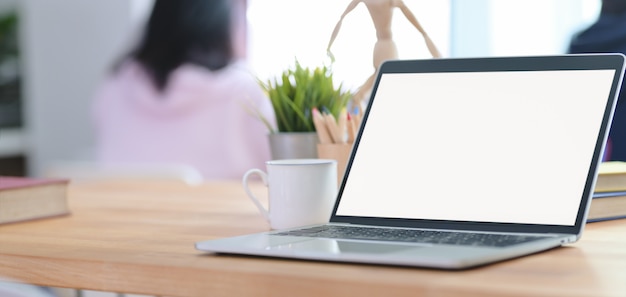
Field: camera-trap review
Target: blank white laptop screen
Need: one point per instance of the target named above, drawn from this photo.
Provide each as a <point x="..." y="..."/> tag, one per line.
<point x="460" y="136"/>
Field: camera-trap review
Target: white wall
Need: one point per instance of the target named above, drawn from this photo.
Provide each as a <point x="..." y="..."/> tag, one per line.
<point x="7" y="5"/>
<point x="68" y="45"/>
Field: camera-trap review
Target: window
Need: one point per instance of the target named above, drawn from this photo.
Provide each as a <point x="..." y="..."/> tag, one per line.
<point x="281" y="31"/>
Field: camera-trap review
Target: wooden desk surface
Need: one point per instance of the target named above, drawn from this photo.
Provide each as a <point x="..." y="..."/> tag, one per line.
<point x="139" y="238"/>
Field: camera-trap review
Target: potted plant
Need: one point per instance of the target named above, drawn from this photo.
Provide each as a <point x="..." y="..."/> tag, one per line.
<point x="10" y="102"/>
<point x="294" y="95"/>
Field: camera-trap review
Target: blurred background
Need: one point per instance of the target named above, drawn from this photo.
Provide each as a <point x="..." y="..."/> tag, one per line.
<point x="53" y="54"/>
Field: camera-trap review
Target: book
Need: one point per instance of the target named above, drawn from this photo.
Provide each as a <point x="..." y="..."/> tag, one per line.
<point x="24" y="198"/>
<point x="607" y="206"/>
<point x="611" y="177"/>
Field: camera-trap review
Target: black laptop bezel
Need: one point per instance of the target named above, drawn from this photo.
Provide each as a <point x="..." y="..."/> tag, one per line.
<point x="487" y="64"/>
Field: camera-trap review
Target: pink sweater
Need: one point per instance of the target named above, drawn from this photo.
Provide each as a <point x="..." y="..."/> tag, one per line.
<point x="202" y="119"/>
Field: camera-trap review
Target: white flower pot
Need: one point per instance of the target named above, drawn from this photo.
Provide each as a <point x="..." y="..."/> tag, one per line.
<point x="293" y="145"/>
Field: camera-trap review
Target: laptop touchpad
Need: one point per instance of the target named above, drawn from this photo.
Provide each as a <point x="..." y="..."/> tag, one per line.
<point x="338" y="247"/>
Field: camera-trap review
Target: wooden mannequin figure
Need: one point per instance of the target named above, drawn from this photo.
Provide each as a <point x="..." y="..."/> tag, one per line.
<point x="381" y="12"/>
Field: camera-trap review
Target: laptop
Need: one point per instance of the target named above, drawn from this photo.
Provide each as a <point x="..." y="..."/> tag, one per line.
<point x="463" y="162"/>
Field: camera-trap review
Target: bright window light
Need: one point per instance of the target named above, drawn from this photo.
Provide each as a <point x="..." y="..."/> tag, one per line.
<point x="281" y="31"/>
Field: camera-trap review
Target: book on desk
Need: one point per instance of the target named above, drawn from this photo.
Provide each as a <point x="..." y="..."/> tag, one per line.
<point x="609" y="197"/>
<point x="24" y="199"/>
<point x="607" y="206"/>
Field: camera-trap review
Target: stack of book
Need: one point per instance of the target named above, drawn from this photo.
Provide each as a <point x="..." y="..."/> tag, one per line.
<point x="609" y="197"/>
<point x="24" y="199"/>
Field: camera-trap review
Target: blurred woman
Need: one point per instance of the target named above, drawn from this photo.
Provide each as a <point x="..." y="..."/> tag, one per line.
<point x="181" y="96"/>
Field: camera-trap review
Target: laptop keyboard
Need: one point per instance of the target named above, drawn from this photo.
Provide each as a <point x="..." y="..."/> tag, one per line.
<point x="411" y="235"/>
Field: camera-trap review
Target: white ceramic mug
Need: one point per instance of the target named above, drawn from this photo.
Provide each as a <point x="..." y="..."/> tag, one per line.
<point x="301" y="191"/>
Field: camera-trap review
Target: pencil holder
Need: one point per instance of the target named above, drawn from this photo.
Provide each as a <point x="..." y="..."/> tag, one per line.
<point x="337" y="151"/>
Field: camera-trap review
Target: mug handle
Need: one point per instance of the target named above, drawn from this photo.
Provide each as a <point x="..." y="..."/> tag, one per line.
<point x="258" y="204"/>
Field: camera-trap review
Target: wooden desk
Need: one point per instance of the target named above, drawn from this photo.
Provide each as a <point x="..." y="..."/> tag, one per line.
<point x="139" y="238"/>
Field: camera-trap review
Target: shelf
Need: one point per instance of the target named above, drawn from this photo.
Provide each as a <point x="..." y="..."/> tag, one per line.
<point x="12" y="142"/>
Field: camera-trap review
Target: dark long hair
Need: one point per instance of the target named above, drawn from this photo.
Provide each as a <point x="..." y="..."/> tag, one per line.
<point x="185" y="31"/>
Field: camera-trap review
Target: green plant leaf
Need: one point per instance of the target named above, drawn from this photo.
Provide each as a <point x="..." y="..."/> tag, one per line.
<point x="300" y="89"/>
